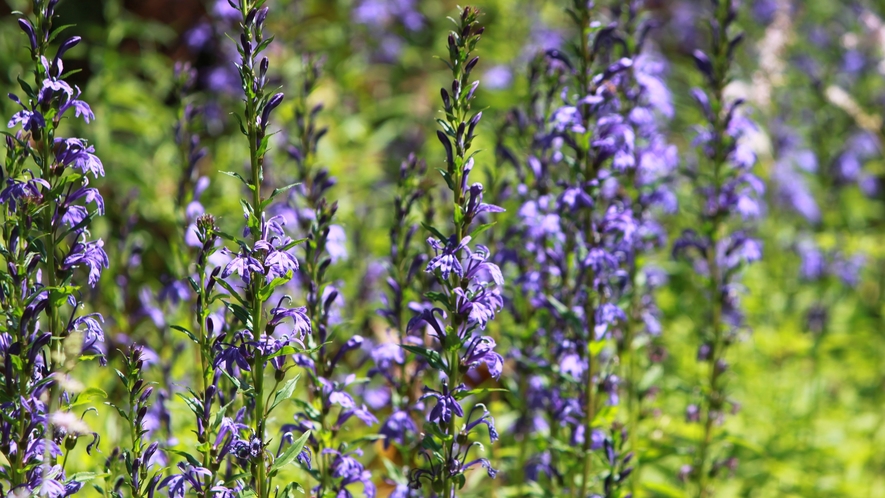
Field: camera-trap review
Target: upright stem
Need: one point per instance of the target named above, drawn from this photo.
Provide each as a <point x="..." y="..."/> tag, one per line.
<point x="590" y="409"/>
<point x="715" y="397"/>
<point x="633" y="401"/>
<point x="585" y="160"/>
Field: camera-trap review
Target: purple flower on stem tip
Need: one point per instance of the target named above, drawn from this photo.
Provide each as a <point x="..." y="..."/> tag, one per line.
<point x="350" y="471"/>
<point x="76" y="153"/>
<point x="20" y="190"/>
<point x="81" y="109"/>
<point x="298" y="316"/>
<point x="30" y="119"/>
<point x="189" y="477"/>
<point x="279" y="263"/>
<point x="427" y="317"/>
<point x="484" y="419"/>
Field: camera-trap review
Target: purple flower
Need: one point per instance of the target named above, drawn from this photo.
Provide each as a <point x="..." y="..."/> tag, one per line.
<point x="243" y="265"/>
<point x="398" y="427"/>
<point x="17" y="191"/>
<point x="90" y="254"/>
<point x="279" y="263"/>
<point x="298" y="316"/>
<point x="75" y="153"/>
<point x="189" y="477"/>
<point x="481" y="350"/>
<point x="30" y="119"/>
<point x="446" y="259"/>
<point x="81" y="109"/>
<point x="351" y="471"/>
<point x="446" y="404"/>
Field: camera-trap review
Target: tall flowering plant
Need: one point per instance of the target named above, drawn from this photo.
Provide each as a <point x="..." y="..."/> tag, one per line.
<point x="261" y="338"/>
<point x="573" y="251"/>
<point x="646" y="105"/>
<point x="45" y="245"/>
<point x="331" y="406"/>
<point x="720" y="248"/>
<point x="401" y="379"/>
<point x="469" y="295"/>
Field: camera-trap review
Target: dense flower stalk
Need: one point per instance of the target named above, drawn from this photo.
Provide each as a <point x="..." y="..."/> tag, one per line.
<point x="470" y="287"/>
<point x="574" y="250"/>
<point x="142" y="478"/>
<point x="646" y="106"/>
<point x="47" y="207"/>
<point x="331" y="408"/>
<point x="264" y="338"/>
<point x="729" y="190"/>
<point x="402" y="380"/>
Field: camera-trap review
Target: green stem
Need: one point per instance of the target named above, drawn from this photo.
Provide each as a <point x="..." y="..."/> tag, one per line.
<point x="715" y="396"/>
<point x="630" y="355"/>
<point x="590" y="411"/>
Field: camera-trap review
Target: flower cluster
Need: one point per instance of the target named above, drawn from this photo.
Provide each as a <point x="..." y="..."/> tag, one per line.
<point x="728" y="191"/>
<point x="401" y="381"/>
<point x="594" y="179"/>
<point x="237" y="350"/>
<point x="50" y="261"/>
<point x="470" y="289"/>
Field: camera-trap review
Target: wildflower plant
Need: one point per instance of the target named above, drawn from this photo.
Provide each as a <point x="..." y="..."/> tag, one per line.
<point x="401" y="380"/>
<point x="50" y="263"/>
<point x="469" y="293"/>
<point x="646" y="105"/>
<point x="721" y="247"/>
<point x="262" y="338"/>
<point x="331" y="327"/>
<point x="142" y="475"/>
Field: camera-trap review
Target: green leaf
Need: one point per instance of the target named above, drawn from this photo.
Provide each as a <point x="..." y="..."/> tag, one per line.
<point x="291" y="244"/>
<point x="186" y="332"/>
<point x="187" y="456"/>
<point x="87" y="397"/>
<point x="263" y="45"/>
<point x="283" y="351"/>
<point x="85" y="476"/>
<point x="290" y="454"/>
<point x="291" y="489"/>
<point x="432" y="357"/>
<point x="193" y="404"/>
<point x="480" y="229"/>
<point x="240" y="118"/>
<point x="437" y="296"/>
<point x="284" y="393"/>
<point x="238" y="177"/>
<point x="230" y="290"/>
<point x="464" y="394"/>
<point x="58" y="295"/>
<point x="266" y="291"/>
<point x="311" y="412"/>
<point x="661" y="489"/>
<point x="447" y="177"/>
<point x="241" y="313"/>
<point x="436" y="233"/>
<point x="278" y="191"/>
<point x="447" y="128"/>
<point x="194" y="285"/>
<point x="367" y="439"/>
